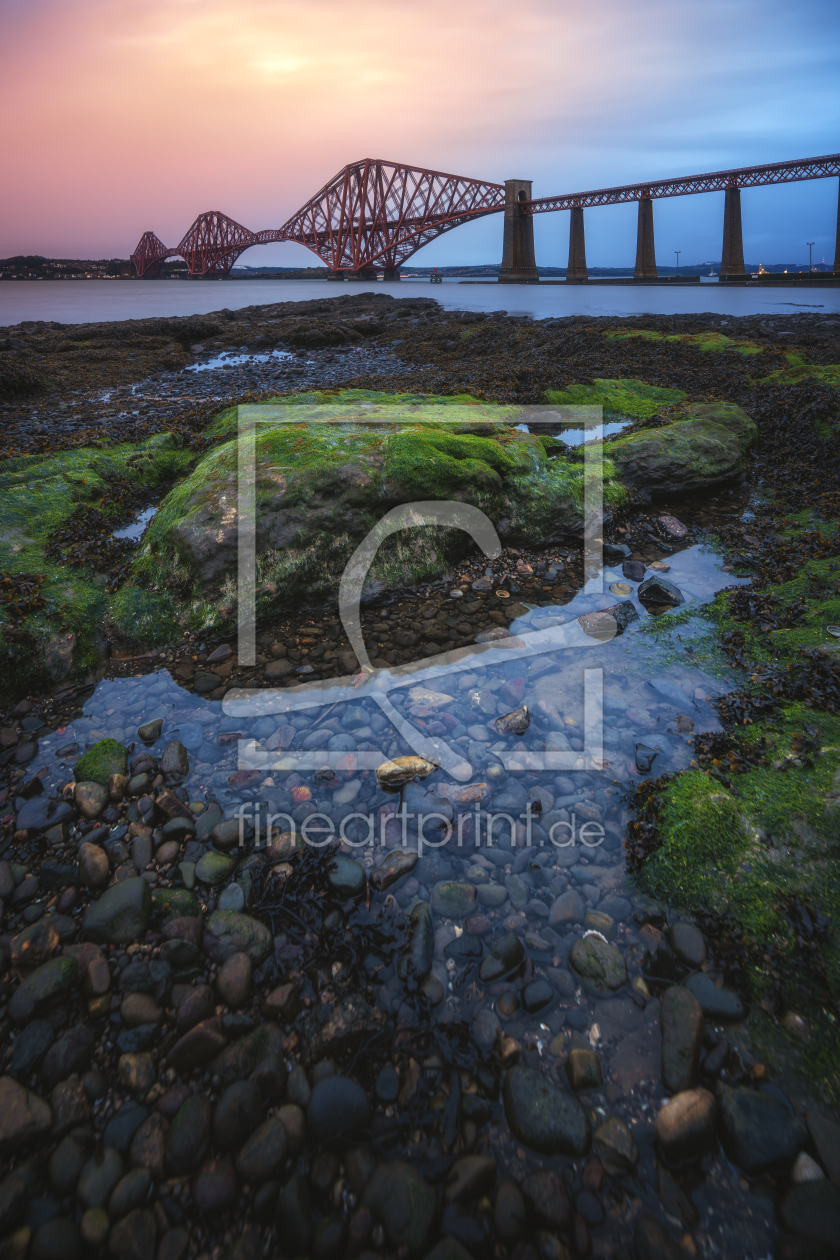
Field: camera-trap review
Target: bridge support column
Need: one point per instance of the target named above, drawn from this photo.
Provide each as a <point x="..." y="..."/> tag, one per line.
<point x="364" y="273"/>
<point x="837" y="242"/>
<point x="518" y="261"/>
<point x="392" y="273"/>
<point x="577" y="269"/>
<point x="645" y="249"/>
<point x="335" y="275"/>
<point x="732" y="254"/>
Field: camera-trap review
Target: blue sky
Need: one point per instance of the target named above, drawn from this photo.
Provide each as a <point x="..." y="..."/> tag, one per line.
<point x="123" y="115"/>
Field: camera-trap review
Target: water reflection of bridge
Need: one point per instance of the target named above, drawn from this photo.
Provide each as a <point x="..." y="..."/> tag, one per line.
<point x="374" y="215"/>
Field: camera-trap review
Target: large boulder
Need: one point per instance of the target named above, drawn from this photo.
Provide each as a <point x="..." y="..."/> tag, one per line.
<point x="321" y="486"/>
<point x="705" y="447"/>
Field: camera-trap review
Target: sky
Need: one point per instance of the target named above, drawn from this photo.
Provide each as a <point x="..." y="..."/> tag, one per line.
<point x="126" y="115"/>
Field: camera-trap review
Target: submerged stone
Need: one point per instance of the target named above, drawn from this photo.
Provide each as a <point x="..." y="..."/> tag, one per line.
<point x="600" y="966"/>
<point x="542" y="1117"/>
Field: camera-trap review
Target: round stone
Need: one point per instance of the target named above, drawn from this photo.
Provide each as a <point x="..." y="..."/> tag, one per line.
<point x="98" y="1178"/>
<point x="233" y="983"/>
<point x="121" y="915"/>
<point x="214" y="1187"/>
<point x="542" y="1117"/>
<point x="232" y="898"/>
<point x="599" y="965"/>
<point x="685" y="1126"/>
<point x="387" y="1085"/>
<point x="453" y="899"/>
<point x="721" y="1006"/>
<point x="105" y="758"/>
<point x="507" y="1004"/>
<point x="688" y="944"/>
<point x="238" y="1113"/>
<point x="94" y="1227"/>
<point x="346" y="877"/>
<point x="338" y="1107"/>
<point x="537" y="995"/>
<point x="263" y="1153"/>
<point x="90" y="799"/>
<point x="58" y="1239"/>
<point x="214" y="868"/>
<point x="189" y="1135"/>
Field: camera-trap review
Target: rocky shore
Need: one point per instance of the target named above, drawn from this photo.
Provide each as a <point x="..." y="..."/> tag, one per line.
<point x="219" y="1040"/>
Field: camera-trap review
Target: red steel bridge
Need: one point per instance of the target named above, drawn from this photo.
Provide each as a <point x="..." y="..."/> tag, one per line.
<point x="375" y="214"/>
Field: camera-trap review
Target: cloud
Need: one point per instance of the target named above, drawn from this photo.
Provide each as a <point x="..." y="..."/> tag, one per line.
<point x="124" y="115"/>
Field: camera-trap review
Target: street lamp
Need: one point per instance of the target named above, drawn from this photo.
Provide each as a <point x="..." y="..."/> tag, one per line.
<point x="809" y="244"/>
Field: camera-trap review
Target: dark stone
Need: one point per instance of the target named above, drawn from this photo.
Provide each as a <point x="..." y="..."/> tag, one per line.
<point x="263" y="1154"/>
<point x="682" y="1026"/>
<point x="121" y="1128"/>
<point x="542" y="1117"/>
<point x="633" y="570"/>
<point x="56" y="875"/>
<point x="294" y="1215"/>
<point x="121" y="915"/>
<point x="237" y="1114"/>
<point x="721" y="1006"/>
<point x="41" y="813"/>
<point x="652" y="1241"/>
<point x="189" y="1135"/>
<point x="758" y="1132"/>
<point x="658" y="590"/>
<point x="404" y="1203"/>
<point x="130" y="1192"/>
<point x="58" y="1239"/>
<point x="537" y="995"/>
<point x="547" y="1198"/>
<point x="504" y="958"/>
<point x="71" y="1053"/>
<point x="417" y="958"/>
<point x="134" y="1238"/>
<point x="214" y="1187"/>
<point x="825" y="1135"/>
<point x="688" y="944"/>
<point x="338" y="1108"/>
<point x="387" y="1085"/>
<point x="30" y="1046"/>
<point x="812" y="1208"/>
<point x="12" y="1201"/>
<point x="685" y="1126"/>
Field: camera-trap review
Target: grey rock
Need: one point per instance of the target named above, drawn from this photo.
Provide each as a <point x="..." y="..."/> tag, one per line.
<point x="57" y="1239"/>
<point x="542" y="1117"/>
<point x="599" y="965"/>
<point x="40" y="813"/>
<point x="174" y="761"/>
<point x="505" y="956"/>
<point x="812" y="1210"/>
<point x="338" y="1107"/>
<point x="30" y="1046"/>
<point x="346" y="877"/>
<point x="130" y="1192"/>
<point x="721" y="1006"/>
<point x="688" y="944"/>
<point x="417" y="958"/>
<point x="189" y="1135"/>
<point x="98" y="1178"/>
<point x="121" y="914"/>
<point x="238" y="1113"/>
<point x="404" y="1203"/>
<point x="682" y="1026"/>
<point x="758" y="1131"/>
<point x="263" y="1153"/>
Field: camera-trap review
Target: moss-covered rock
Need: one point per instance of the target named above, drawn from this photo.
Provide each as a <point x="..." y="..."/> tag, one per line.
<point x="323" y="483"/>
<point x="702" y="448"/>
<point x="618" y="397"/>
<point x="106" y="757"/>
<point x="60" y="635"/>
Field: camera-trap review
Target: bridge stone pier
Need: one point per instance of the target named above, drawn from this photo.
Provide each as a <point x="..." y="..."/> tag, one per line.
<point x="732" y="254"/>
<point x="645" y="250"/>
<point x="518" y="261"/>
<point x="837" y="240"/>
<point x="577" y="269"/>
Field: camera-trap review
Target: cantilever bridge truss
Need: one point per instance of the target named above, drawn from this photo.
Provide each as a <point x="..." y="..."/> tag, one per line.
<point x="372" y="214"/>
<point x="376" y="214"/>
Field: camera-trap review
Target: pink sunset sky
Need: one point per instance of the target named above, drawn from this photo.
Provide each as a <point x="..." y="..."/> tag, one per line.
<point x="124" y="115"/>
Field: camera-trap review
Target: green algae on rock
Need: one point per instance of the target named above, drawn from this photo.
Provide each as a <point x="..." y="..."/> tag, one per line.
<point x="326" y="474"/>
<point x="106" y="757"/>
<point x="703" y="447"/>
<point x="618" y="397"/>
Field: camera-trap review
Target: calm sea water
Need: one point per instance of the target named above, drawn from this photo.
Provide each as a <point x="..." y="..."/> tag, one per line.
<point x="86" y="301"/>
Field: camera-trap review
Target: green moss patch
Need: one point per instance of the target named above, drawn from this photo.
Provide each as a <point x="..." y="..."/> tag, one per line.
<point x="714" y="342"/>
<point x="106" y="757"/>
<point x="618" y="397"/>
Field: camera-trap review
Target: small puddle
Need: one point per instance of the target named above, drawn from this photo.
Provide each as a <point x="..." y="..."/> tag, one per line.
<point x="138" y="526"/>
<point x="235" y="359"/>
<point x="577" y="437"/>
